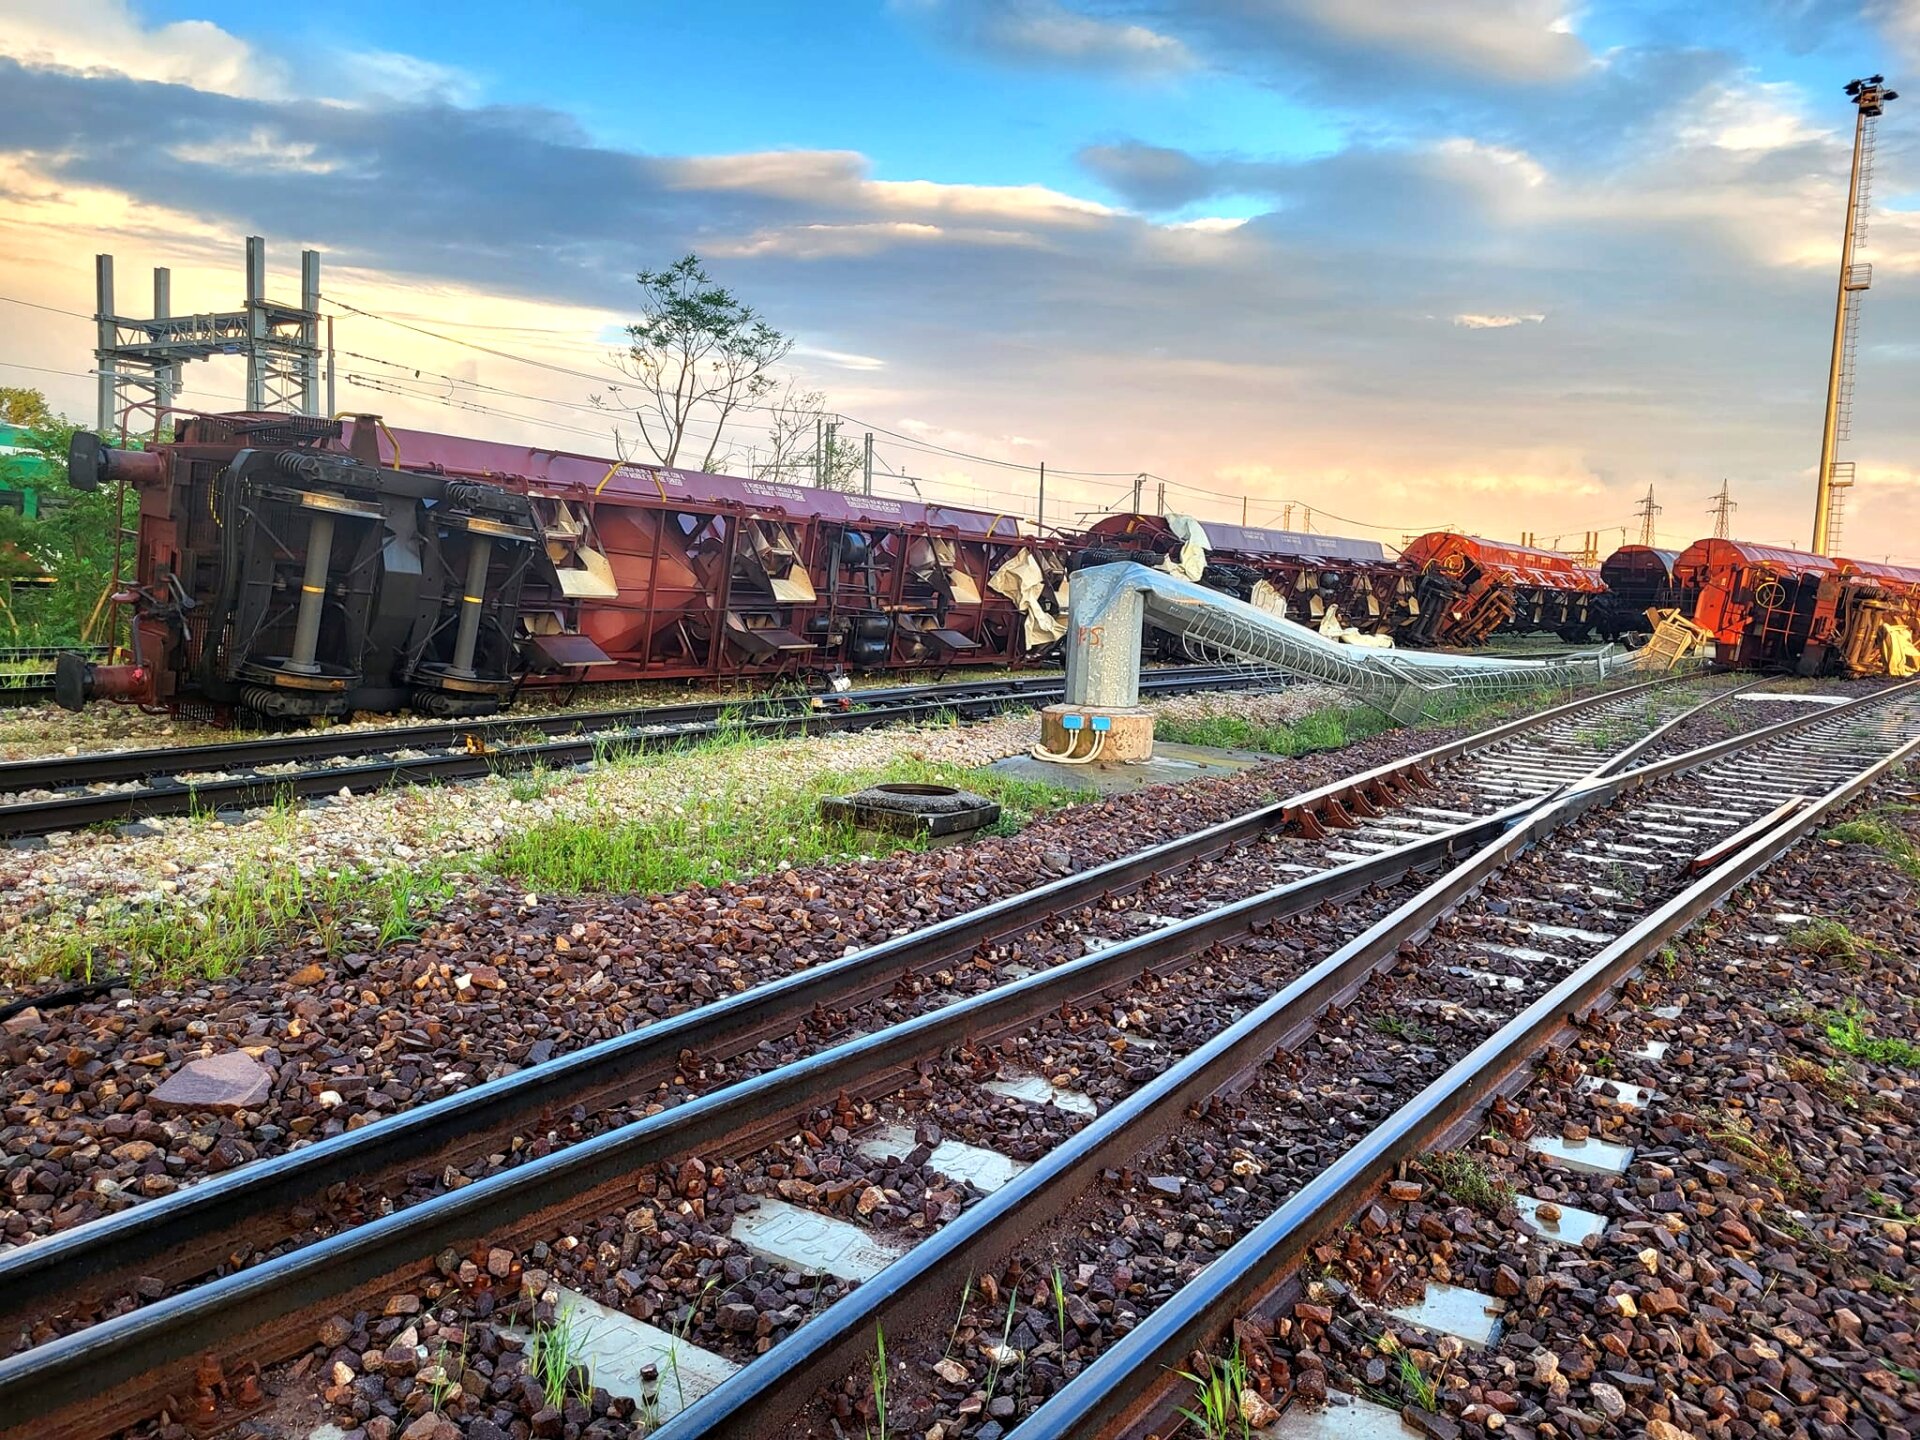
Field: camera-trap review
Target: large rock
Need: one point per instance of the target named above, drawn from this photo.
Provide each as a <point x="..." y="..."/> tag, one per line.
<point x="220" y="1083"/>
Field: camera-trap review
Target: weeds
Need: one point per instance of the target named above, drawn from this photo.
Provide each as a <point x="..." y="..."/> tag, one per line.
<point x="1415" y="1386"/>
<point x="877" y="1372"/>
<point x="747" y="822"/>
<point x="1847" y="1030"/>
<point x="1000" y="1350"/>
<point x="1465" y="1176"/>
<point x="959" y="1317"/>
<point x="1732" y="1134"/>
<point x="258" y="907"/>
<point x="1877" y="831"/>
<point x="1216" y="1397"/>
<point x="1827" y="940"/>
<point x="1402" y="1029"/>
<point x="557" y="1346"/>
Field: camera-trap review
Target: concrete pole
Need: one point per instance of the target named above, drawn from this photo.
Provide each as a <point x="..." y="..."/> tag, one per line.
<point x="1139" y="484"/>
<point x="332" y="408"/>
<point x="310" y="333"/>
<point x="1823" y="489"/>
<point x="105" y="336"/>
<point x="1043" y="495"/>
<point x="256" y="322"/>
<point x="867" y="467"/>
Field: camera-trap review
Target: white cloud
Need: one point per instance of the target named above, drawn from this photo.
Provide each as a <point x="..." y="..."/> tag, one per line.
<point x="1045" y="30"/>
<point x="92" y="35"/>
<point x="1496" y="322"/>
<point x="840" y="359"/>
<point x="261" y="148"/>
<point x="1522" y="40"/>
<point x="109" y="35"/>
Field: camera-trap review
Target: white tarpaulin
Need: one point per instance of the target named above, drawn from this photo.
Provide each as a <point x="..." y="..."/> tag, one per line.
<point x="1022" y="581"/>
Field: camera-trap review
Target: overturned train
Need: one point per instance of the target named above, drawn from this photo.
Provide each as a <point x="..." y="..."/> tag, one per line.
<point x="300" y="567"/>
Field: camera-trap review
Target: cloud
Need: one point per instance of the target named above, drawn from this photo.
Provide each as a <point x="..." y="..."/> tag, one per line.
<point x="1688" y="279"/>
<point x="1496" y="322"/>
<point x="105" y="35"/>
<point x="1047" y="33"/>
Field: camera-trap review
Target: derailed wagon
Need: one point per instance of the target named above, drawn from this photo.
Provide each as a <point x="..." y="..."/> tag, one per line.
<point x="301" y="567"/>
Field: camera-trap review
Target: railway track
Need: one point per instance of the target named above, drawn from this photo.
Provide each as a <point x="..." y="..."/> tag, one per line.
<point x="1350" y="838"/>
<point x="70" y="792"/>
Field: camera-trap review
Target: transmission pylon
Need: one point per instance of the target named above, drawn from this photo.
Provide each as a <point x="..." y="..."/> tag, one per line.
<point x="1646" y="510"/>
<point x="1722" y="508"/>
<point x="1869" y="97"/>
<point x="138" y="362"/>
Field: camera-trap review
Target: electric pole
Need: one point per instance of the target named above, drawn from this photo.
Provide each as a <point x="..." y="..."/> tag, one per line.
<point x="1723" y="506"/>
<point x="1646" y="510"/>
<point x="1043" y="494"/>
<point x="1869" y="98"/>
<point x="833" y="429"/>
<point x="1139" y="484"/>
<point x="867" y="467"/>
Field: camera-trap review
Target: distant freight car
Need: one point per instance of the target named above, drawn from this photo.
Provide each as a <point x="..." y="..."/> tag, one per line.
<point x="1468" y="589"/>
<point x="1770" y="608"/>
<point x="297" y="567"/>
<point x="1638" y="578"/>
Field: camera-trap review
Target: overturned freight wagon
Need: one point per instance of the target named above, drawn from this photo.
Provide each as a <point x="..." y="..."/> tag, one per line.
<point x="1468" y="589"/>
<point x="294" y="566"/>
<point x="1771" y="608"/>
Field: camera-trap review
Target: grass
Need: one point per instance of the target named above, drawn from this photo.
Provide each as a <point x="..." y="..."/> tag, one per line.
<point x="1415" y="1386"/>
<point x="1827" y="940"/>
<point x="557" y="1347"/>
<point x="1000" y="1350"/>
<point x="1879" y="832"/>
<point x="1060" y="1304"/>
<point x="960" y="1317"/>
<point x="746" y="823"/>
<point x="1402" y="1029"/>
<point x="877" y="1371"/>
<point x="1465" y="1176"/>
<point x="1849" y="1031"/>
<point x="257" y="908"/>
<point x="1216" y="1397"/>
<point x="1327" y="729"/>
<point x="1733" y="1134"/>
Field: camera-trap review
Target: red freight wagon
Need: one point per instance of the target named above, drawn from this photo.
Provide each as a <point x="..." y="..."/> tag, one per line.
<point x="1777" y="609"/>
<point x="1468" y="589"/>
<point x="297" y="566"/>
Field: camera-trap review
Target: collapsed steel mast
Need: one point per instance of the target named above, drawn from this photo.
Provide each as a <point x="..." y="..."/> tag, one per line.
<point x="1869" y="97"/>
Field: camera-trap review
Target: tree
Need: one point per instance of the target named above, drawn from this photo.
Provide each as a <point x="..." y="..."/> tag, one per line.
<point x="699" y="353"/>
<point x="799" y="451"/>
<point x="26" y="407"/>
<point x="72" y="540"/>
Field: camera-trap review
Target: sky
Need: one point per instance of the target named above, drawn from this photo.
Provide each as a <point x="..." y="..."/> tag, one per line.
<point x="1497" y="265"/>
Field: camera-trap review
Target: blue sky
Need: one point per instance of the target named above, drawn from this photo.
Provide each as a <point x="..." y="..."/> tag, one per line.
<point x="1493" y="263"/>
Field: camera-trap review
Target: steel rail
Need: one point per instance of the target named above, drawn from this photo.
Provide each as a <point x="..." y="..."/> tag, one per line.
<point x="173" y="796"/>
<point x="760" y="1398"/>
<point x="118" y="1370"/>
<point x="118" y="766"/>
<point x="1129" y="1388"/>
<point x="192" y="1230"/>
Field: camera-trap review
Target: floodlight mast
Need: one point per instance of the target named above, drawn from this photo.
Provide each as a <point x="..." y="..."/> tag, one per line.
<point x="1870" y="97"/>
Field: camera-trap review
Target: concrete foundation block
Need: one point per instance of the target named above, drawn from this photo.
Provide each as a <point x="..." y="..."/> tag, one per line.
<point x="1129" y="735"/>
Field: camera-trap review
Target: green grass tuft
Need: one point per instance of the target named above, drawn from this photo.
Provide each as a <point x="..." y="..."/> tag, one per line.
<point x="1466" y="1177"/>
<point x="746" y="823"/>
<point x="1849" y="1031"/>
<point x="1881" y="834"/>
